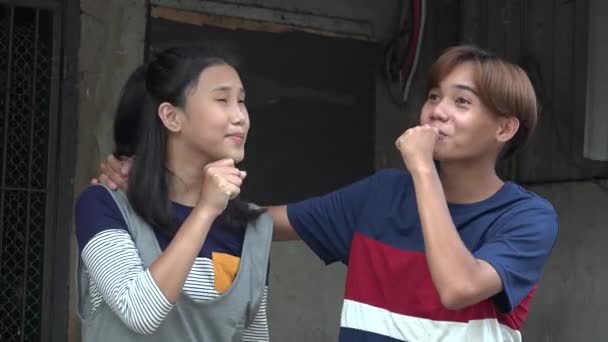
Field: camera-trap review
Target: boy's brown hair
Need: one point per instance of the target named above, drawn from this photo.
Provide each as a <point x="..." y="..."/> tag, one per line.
<point x="503" y="87"/>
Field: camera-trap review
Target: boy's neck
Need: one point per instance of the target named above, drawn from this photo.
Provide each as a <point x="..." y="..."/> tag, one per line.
<point x="469" y="182"/>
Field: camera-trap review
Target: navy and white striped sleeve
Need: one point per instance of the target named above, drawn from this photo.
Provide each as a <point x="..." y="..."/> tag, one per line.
<point x="258" y="330"/>
<point x="114" y="265"/>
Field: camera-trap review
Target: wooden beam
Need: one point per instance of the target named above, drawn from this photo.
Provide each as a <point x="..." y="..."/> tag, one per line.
<point x="236" y="23"/>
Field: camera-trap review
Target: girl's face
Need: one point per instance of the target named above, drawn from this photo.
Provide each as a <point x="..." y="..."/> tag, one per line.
<point x="214" y="121"/>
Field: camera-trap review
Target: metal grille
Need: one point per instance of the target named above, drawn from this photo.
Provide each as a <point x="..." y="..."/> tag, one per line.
<point x="26" y="45"/>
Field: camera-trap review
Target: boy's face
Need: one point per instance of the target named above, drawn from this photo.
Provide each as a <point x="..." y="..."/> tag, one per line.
<point x="468" y="130"/>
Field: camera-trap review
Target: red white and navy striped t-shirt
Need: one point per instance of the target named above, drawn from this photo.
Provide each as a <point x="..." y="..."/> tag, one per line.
<point x="373" y="226"/>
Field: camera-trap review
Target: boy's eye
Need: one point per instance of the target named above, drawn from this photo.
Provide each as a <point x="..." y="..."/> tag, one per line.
<point x="462" y="101"/>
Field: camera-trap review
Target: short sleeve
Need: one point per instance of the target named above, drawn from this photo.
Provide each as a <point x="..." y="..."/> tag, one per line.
<point x="518" y="251"/>
<point x="327" y="224"/>
<point x="96" y="211"/>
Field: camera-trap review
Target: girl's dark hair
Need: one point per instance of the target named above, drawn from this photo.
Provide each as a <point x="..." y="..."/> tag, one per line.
<point x="139" y="132"/>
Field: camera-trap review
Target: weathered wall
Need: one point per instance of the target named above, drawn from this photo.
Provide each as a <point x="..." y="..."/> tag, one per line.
<point x="570" y="303"/>
<point x="111" y="46"/>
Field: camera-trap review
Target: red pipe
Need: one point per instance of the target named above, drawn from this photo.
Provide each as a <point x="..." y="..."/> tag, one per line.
<point x="413" y="43"/>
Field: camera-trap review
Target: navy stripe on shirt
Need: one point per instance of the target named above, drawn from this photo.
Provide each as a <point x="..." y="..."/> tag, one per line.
<point x="96" y="211"/>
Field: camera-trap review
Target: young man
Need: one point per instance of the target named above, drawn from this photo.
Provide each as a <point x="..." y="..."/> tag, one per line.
<point x="446" y="251"/>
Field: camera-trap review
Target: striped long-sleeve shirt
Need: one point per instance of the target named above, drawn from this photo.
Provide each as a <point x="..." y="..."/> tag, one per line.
<point x="118" y="277"/>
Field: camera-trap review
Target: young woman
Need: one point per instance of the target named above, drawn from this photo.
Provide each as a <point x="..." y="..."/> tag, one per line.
<point x="179" y="257"/>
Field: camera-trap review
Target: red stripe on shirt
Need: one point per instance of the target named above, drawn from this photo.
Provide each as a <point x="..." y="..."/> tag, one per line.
<point x="400" y="281"/>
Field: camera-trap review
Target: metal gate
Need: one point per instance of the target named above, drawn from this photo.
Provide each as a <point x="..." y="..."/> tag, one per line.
<point x="29" y="92"/>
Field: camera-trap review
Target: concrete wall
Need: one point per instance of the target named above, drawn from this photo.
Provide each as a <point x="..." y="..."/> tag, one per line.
<point x="571" y="301"/>
<point x="111" y="46"/>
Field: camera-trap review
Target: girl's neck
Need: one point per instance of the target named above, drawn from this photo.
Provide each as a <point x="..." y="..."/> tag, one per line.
<point x="185" y="169"/>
